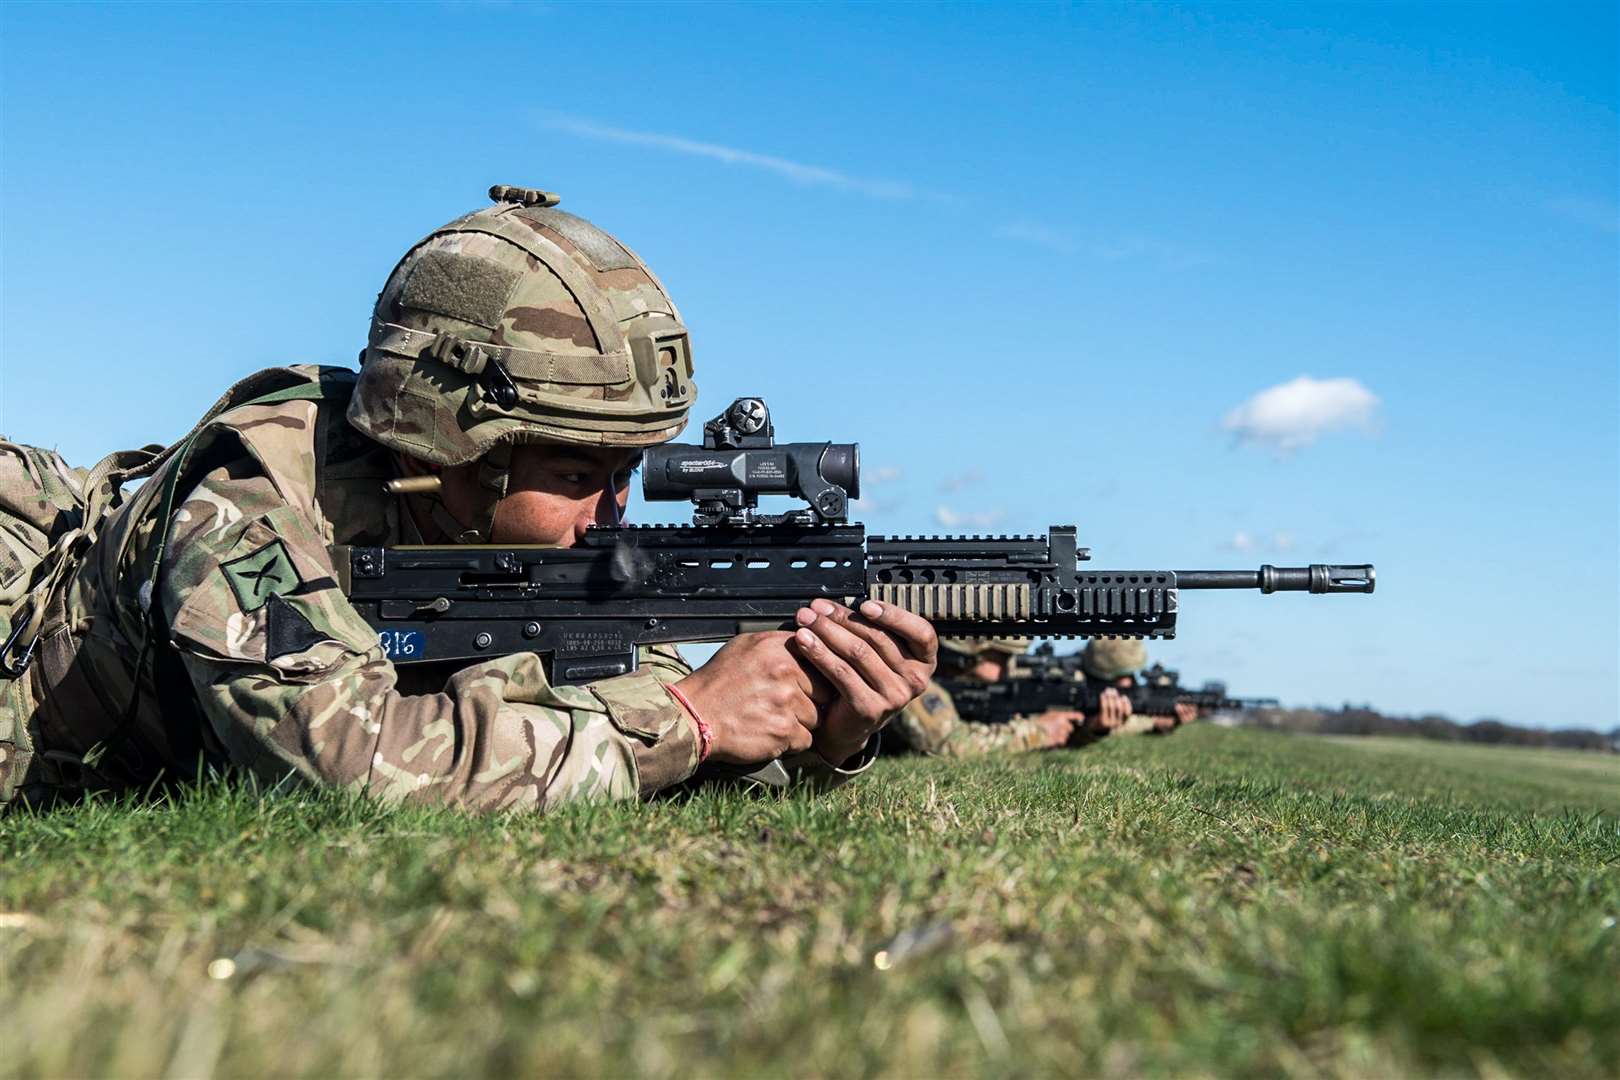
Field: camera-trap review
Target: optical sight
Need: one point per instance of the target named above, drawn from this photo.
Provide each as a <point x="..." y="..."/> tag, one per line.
<point x="740" y="460"/>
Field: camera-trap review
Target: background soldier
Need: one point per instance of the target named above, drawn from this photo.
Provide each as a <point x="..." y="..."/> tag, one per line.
<point x="1114" y="662"/>
<point x="932" y="725"/>
<point x="519" y="360"/>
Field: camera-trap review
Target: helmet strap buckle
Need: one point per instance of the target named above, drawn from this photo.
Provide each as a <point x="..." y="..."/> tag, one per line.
<point x="471" y="358"/>
<point x="452" y="351"/>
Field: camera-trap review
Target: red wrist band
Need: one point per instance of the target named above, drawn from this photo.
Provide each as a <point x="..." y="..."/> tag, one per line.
<point x="705" y="737"/>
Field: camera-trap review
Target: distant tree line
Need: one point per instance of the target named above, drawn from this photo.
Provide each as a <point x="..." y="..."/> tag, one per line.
<point x="1365" y="720"/>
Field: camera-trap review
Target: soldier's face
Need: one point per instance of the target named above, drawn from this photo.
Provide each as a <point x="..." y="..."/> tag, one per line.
<point x="991" y="667"/>
<point x="554" y="493"/>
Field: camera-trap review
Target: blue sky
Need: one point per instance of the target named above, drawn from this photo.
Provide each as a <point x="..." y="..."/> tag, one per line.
<point x="1043" y="262"/>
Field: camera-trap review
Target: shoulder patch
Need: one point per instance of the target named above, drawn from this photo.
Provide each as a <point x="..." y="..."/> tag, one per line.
<point x="932" y="702"/>
<point x="287" y="630"/>
<point x="261" y="574"/>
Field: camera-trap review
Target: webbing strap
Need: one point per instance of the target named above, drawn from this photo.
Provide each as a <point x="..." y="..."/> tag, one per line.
<point x="530" y="365"/>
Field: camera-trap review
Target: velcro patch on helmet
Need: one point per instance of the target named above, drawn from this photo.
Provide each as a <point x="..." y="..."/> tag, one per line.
<point x="461" y="287"/>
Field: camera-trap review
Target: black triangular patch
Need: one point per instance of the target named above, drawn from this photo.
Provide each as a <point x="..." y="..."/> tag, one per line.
<point x="287" y="631"/>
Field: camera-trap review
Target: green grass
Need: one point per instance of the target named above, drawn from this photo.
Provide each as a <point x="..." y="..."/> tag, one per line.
<point x="1222" y="902"/>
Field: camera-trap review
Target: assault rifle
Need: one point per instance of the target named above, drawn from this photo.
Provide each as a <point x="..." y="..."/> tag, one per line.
<point x="1043" y="681"/>
<point x="1044" y="664"/>
<point x="734" y="569"/>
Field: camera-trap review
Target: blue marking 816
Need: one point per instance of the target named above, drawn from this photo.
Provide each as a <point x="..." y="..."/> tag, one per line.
<point x="402" y="644"/>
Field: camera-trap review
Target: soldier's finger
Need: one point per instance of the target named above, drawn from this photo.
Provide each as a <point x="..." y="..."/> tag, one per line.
<point x="806" y="712"/>
<point x="822" y="692"/>
<point x="914" y="631"/>
<point x="848" y="682"/>
<point x="1116" y="709"/>
<point x="805" y="680"/>
<point x="858" y="650"/>
<point x="874" y="635"/>
<point x="799" y="740"/>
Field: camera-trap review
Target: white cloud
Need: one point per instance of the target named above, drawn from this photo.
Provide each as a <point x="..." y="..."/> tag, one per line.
<point x="1029" y="232"/>
<point x="1245" y="542"/>
<point x="1174" y="256"/>
<point x="796" y="171"/>
<point x="958" y="519"/>
<point x="885" y="499"/>
<point x="1295" y="414"/>
<point x="962" y="480"/>
<point x="1021" y="231"/>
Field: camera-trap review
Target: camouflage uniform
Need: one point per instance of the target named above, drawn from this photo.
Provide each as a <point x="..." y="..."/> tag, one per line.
<point x="1108" y="659"/>
<point x="241" y="649"/>
<point x="931" y="725"/>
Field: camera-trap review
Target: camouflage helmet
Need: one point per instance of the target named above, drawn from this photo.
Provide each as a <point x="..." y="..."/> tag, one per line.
<point x="1112" y="658"/>
<point x="521" y="323"/>
<point x="975" y="647"/>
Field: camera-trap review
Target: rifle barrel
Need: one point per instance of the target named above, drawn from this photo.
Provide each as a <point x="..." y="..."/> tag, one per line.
<point x="1315" y="578"/>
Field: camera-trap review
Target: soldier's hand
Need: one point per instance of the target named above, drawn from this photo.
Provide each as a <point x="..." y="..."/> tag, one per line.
<point x="1113" y="709"/>
<point x="755" y="697"/>
<point x="874" y="663"/>
<point x="1186" y="712"/>
<point x="1057" y="725"/>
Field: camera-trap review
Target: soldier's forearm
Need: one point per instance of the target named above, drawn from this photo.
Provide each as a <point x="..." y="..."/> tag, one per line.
<point x="496" y="738"/>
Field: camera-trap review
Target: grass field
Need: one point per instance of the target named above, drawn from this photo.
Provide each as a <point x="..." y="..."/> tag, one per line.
<point x="1220" y="902"/>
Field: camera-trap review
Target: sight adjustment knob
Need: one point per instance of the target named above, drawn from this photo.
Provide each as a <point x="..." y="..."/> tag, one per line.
<point x="748" y="415"/>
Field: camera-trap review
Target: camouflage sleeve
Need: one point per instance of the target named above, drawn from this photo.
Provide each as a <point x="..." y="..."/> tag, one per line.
<point x="931" y="725"/>
<point x="291" y="680"/>
<point x="1014" y="737"/>
<point x="1135" y="724"/>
